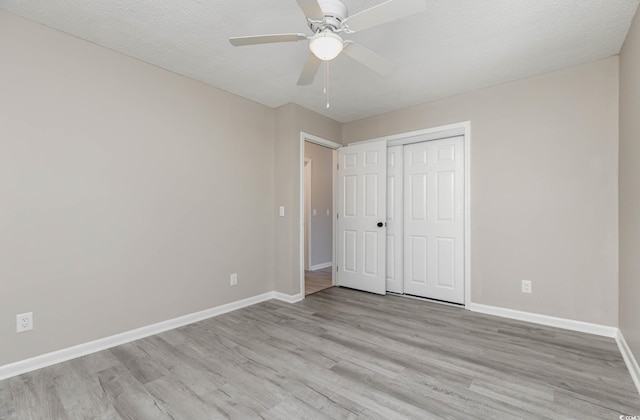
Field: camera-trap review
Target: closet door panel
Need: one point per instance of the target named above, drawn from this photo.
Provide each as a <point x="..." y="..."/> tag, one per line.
<point x="434" y="219"/>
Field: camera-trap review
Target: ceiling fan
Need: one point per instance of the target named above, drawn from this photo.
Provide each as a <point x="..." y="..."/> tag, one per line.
<point x="328" y="19"/>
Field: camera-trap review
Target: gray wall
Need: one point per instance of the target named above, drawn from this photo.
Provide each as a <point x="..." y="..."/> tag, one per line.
<point x="128" y="194"/>
<point x="544" y="192"/>
<point x="630" y="188"/>
<point x="320" y="226"/>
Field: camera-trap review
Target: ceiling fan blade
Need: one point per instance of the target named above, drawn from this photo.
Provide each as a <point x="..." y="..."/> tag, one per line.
<point x="383" y="13"/>
<point x="309" y="70"/>
<point x="266" y="39"/>
<point x="365" y="56"/>
<point x="311" y="9"/>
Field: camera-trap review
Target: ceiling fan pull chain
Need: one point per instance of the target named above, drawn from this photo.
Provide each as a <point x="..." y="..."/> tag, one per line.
<point x="326" y="82"/>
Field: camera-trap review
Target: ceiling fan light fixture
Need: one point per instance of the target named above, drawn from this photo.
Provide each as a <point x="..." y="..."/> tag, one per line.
<point x="326" y="45"/>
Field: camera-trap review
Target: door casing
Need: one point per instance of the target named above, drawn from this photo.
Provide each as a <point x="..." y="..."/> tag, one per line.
<point x="307" y="212"/>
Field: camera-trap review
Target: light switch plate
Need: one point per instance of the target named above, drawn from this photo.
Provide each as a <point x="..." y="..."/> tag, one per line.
<point x="281" y="211"/>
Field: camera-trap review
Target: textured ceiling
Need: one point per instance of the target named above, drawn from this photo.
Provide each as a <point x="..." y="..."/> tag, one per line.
<point x="454" y="47"/>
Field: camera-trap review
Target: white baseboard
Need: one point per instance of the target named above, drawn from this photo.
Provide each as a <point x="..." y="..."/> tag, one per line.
<point x="320" y="266"/>
<point x="632" y="363"/>
<point x="48" y="359"/>
<point x="551" y="321"/>
<point x="288" y="298"/>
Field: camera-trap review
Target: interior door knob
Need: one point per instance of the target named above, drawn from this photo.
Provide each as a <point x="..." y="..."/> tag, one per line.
<point x="380" y="224"/>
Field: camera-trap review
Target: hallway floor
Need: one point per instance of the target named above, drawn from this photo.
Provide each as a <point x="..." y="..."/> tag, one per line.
<point x="315" y="281"/>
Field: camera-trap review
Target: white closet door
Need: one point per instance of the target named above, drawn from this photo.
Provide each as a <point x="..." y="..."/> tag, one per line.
<point x="394" y="219"/>
<point x="434" y="219"/>
<point x="362" y="202"/>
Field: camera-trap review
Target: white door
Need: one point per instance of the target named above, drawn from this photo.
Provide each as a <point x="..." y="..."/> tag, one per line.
<point x="362" y="199"/>
<point x="434" y="219"/>
<point x="394" y="219"/>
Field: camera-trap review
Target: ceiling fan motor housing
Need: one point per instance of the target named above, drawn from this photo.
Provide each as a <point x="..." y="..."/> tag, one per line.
<point x="334" y="12"/>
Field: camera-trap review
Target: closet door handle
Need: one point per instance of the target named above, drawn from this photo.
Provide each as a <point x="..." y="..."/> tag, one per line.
<point x="380" y="224"/>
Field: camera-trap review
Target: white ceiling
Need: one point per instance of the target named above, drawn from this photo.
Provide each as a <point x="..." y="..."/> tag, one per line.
<point x="454" y="47"/>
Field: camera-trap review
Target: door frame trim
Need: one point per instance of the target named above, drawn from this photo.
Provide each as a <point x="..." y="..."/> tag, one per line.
<point x="438" y="133"/>
<point x="307" y="214"/>
<point x="331" y="145"/>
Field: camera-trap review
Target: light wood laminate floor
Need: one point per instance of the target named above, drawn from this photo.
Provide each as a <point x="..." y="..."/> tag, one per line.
<point x="338" y="354"/>
<point x="317" y="280"/>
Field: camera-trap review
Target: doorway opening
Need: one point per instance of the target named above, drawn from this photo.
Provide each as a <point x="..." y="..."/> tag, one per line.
<point x="318" y="160"/>
<point x="318" y="213"/>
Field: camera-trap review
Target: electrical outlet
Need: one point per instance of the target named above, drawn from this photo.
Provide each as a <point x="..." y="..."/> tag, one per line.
<point x="233" y="280"/>
<point x="24" y="322"/>
<point x="526" y="286"/>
